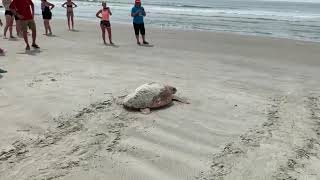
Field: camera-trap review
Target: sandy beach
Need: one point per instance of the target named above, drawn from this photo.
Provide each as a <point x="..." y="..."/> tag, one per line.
<point x="254" y="112"/>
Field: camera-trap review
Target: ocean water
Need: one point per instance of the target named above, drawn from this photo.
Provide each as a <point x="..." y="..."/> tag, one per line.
<point x="293" y="19"/>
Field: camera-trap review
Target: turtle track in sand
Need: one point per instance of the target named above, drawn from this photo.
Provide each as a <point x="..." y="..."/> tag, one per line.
<point x="285" y="147"/>
<point x="68" y="145"/>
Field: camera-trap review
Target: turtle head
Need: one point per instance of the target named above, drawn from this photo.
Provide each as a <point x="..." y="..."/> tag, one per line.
<point x="173" y="90"/>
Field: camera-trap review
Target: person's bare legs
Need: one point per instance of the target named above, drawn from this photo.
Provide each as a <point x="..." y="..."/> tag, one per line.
<point x="45" y="27"/>
<point x="5" y="30"/>
<point x="69" y="17"/>
<point x="103" y="30"/>
<point x="25" y="37"/>
<point x="138" y="40"/>
<point x="9" y="23"/>
<point x="109" y="35"/>
<point x="18" y="28"/>
<point x="11" y="27"/>
<point x="34" y="35"/>
<point x="144" y="40"/>
<point x="72" y="21"/>
<point x="49" y="27"/>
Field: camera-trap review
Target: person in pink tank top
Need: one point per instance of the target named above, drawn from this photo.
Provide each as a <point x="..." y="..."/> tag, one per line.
<point x="104" y="14"/>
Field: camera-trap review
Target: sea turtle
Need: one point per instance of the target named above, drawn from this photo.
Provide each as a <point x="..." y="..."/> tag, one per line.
<point x="151" y="95"/>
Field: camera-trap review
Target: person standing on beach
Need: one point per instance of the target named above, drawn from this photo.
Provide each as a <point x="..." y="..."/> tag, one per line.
<point x="69" y="5"/>
<point x="138" y="13"/>
<point x="24" y="10"/>
<point x="105" y="22"/>
<point x="46" y="8"/>
<point x="9" y="18"/>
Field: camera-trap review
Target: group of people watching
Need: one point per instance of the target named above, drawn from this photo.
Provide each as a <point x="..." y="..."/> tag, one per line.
<point x="22" y="11"/>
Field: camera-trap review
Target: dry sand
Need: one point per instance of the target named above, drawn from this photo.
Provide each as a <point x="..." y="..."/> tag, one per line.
<point x="254" y="112"/>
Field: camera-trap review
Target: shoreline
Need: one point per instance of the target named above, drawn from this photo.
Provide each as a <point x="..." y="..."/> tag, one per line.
<point x="198" y="30"/>
<point x="203" y="30"/>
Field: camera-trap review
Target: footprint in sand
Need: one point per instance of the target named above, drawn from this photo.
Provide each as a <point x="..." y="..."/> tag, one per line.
<point x="46" y="79"/>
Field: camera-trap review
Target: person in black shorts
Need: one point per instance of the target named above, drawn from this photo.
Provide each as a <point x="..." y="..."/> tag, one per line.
<point x="46" y="8"/>
<point x="9" y="18"/>
<point x="104" y="14"/>
<point x="138" y="13"/>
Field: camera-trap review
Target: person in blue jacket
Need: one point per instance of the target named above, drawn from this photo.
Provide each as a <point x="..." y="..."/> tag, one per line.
<point x="138" y="13"/>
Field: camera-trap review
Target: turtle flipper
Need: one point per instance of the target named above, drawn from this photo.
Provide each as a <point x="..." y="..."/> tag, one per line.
<point x="145" y="111"/>
<point x="180" y="99"/>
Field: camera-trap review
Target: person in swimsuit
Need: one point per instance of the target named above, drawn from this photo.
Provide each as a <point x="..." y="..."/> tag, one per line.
<point x="105" y="13"/>
<point x="9" y="18"/>
<point x="46" y="8"/>
<point x="138" y="13"/>
<point x="69" y="5"/>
